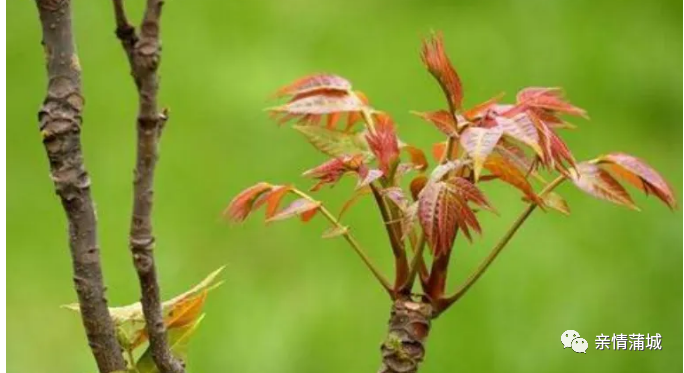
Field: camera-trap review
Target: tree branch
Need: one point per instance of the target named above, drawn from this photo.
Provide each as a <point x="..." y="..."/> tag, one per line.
<point x="443" y="304"/>
<point x="144" y="56"/>
<point x="60" y="125"/>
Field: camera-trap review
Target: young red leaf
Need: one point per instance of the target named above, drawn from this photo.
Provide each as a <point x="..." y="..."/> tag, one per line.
<point x="555" y="151"/>
<point x="437" y="62"/>
<point x="442" y="120"/>
<point x="383" y="142"/>
<point x="417" y="157"/>
<point x="442" y="207"/>
<point x="307" y="215"/>
<point x="241" y="206"/>
<point x="516" y="156"/>
<point x="548" y="99"/>
<point x="479" y="143"/>
<point x="509" y="173"/>
<point x="331" y="171"/>
<point x="521" y="128"/>
<point x="314" y="83"/>
<point x="301" y="206"/>
<point x="274" y="197"/>
<point x="597" y="182"/>
<point x="438" y="215"/>
<point x="640" y="174"/>
<point x="470" y="193"/>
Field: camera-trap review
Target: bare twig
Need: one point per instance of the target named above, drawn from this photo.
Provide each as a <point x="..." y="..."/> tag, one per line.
<point x="60" y="125"/>
<point x="480" y="270"/>
<point x="143" y="54"/>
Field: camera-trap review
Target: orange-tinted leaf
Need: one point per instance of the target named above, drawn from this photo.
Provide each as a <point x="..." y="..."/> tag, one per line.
<point x="417" y="156"/>
<point x="437" y="62"/>
<point x="417" y="185"/>
<point x="241" y="206"/>
<point x="442" y="120"/>
<point x="640" y="174"/>
<point x="383" y="142"/>
<point x="479" y="109"/>
<point x="439" y="148"/>
<point x="509" y="173"/>
<point x="274" y="197"/>
<point x="307" y="215"/>
<point x="185" y="311"/>
<point x="598" y="183"/>
<point x="479" y="143"/>
<point x="333" y="118"/>
<point x="313" y="83"/>
<point x="548" y="99"/>
<point x="297" y="207"/>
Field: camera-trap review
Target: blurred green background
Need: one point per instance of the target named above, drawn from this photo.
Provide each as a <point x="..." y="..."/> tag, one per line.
<point x="293" y="302"/>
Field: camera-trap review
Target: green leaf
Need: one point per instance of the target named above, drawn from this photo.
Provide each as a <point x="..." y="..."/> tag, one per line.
<point x="180" y="311"/>
<point x="556" y="202"/>
<point x="178" y="342"/>
<point x="335" y="143"/>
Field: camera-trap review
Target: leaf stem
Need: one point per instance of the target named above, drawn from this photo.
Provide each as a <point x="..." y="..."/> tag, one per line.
<point x="354" y="244"/>
<point x="480" y="270"/>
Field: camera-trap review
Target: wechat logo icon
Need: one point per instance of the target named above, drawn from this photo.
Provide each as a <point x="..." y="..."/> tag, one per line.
<point x="571" y="338"/>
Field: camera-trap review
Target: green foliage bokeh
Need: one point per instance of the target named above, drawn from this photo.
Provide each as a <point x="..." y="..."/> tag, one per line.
<point x="293" y="302"/>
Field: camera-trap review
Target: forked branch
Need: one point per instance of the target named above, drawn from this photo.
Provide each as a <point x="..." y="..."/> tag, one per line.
<point x="143" y="53"/>
<point x="60" y="125"/>
<point x="480" y="270"/>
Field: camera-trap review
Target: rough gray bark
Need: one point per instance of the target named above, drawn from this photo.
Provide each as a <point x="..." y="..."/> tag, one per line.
<point x="144" y="54"/>
<point x="60" y="125"/>
<point x="404" y="348"/>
